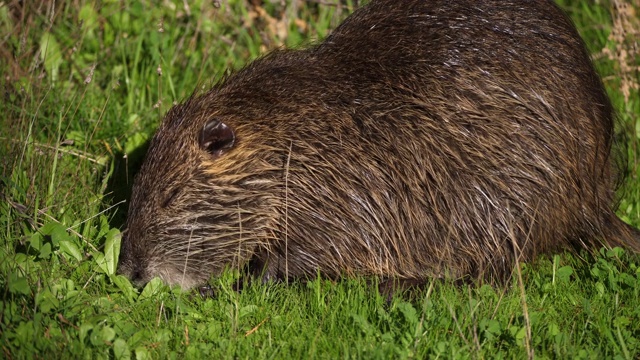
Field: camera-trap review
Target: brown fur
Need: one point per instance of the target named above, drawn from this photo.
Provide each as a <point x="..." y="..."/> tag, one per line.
<point x="421" y="139"/>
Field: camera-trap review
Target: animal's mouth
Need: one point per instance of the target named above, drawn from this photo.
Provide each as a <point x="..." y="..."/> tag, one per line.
<point x="135" y="274"/>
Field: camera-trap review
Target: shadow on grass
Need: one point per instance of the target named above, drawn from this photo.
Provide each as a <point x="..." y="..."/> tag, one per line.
<point x="119" y="186"/>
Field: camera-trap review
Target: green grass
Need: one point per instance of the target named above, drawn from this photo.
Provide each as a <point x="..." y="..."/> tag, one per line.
<point x="85" y="84"/>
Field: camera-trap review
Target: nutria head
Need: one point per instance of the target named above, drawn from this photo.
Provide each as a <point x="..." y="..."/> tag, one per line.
<point x="188" y="208"/>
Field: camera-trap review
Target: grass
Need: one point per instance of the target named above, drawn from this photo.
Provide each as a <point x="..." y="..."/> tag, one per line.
<point x="86" y="82"/>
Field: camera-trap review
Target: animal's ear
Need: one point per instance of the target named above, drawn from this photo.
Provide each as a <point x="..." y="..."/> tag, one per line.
<point x="217" y="138"/>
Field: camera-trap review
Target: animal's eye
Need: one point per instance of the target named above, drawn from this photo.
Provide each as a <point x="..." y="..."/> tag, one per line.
<point x="170" y="197"/>
<point x="217" y="137"/>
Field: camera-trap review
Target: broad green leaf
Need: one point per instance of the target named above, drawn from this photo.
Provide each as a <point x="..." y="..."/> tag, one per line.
<point x="35" y="241"/>
<point x="247" y="310"/>
<point x="45" y="251"/>
<point x="70" y="248"/>
<point x="409" y="312"/>
<point x="151" y="289"/>
<point x="59" y="233"/>
<point x="126" y="287"/>
<point x="107" y="334"/>
<point x="88" y="16"/>
<point x="47" y="301"/>
<point x="108" y="261"/>
<point x="112" y="250"/>
<point x="564" y="273"/>
<point x="142" y="353"/>
<point x="18" y="285"/>
<point x="84" y="330"/>
<point x="121" y="349"/>
<point x="51" y="55"/>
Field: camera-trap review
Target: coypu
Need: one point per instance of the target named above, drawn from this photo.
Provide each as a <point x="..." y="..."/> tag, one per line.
<point x="420" y="139"/>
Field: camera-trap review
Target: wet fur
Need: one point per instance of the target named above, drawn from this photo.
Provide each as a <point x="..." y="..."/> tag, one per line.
<point x="421" y="139"/>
